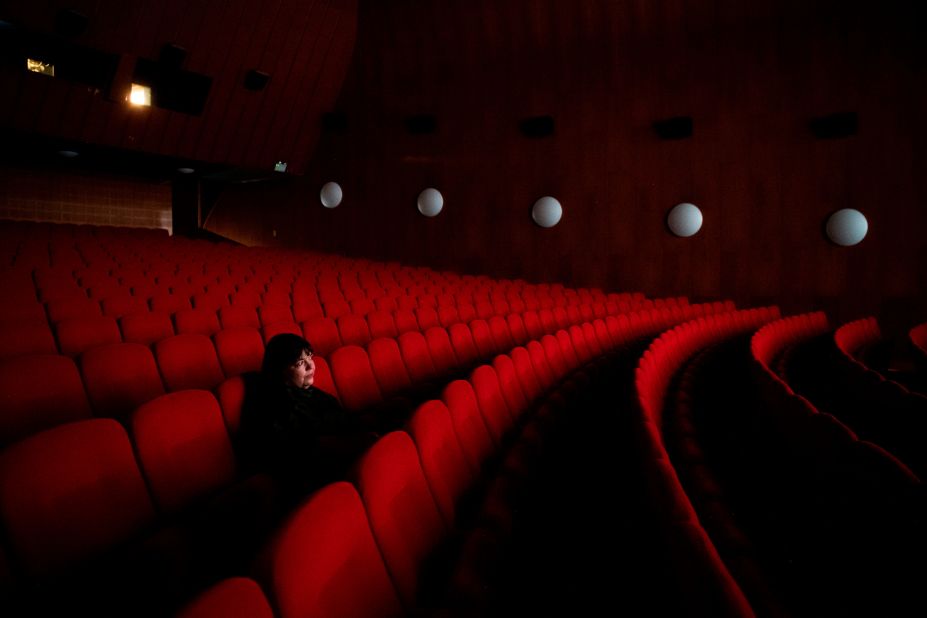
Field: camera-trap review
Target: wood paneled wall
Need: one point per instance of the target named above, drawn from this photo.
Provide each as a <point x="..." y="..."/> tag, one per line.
<point x="751" y="74"/>
<point x="58" y="196"/>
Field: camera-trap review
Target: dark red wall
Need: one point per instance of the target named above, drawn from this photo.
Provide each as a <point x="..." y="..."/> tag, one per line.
<point x="752" y="75"/>
<point x="304" y="45"/>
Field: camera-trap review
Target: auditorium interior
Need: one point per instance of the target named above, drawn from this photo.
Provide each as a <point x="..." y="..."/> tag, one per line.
<point x="630" y="297"/>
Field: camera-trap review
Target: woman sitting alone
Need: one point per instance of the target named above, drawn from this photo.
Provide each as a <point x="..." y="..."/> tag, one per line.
<point x="293" y="430"/>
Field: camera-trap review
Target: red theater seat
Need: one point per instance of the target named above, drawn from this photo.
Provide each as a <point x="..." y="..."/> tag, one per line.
<point x="323" y="334"/>
<point x="325" y="561"/>
<point x="73" y="307"/>
<point x="237" y="597"/>
<point x="495" y="411"/>
<point x="77" y="335"/>
<point x="20" y="339"/>
<point x="169" y="303"/>
<point x="388" y="366"/>
<point x="38" y="392"/>
<point x="236" y="316"/>
<point x="464" y="347"/>
<point x="381" y="324"/>
<point x="475" y="440"/>
<point x="405" y="321"/>
<point x="443" y="462"/>
<point x="442" y="351"/>
<point x="196" y="322"/>
<point x="403" y="514"/>
<point x="146" y="328"/>
<point x="417" y="357"/>
<point x="70" y="492"/>
<point x="274" y="314"/>
<point x="354" y="378"/>
<point x="353" y="330"/>
<point x="239" y="350"/>
<point x="188" y="361"/>
<point x="483" y="339"/>
<point x="183" y="448"/>
<point x="119" y="378"/>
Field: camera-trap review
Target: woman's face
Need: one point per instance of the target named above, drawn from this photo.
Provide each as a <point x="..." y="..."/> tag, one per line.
<point x="301" y="373"/>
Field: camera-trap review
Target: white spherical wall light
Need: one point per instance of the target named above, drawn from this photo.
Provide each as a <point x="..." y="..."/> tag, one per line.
<point x="684" y="220"/>
<point x="847" y="227"/>
<point x="547" y="212"/>
<point x="331" y="194"/>
<point x="430" y="202"/>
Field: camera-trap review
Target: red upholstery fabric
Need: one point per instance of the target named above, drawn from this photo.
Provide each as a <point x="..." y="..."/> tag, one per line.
<point x="183" y="447"/>
<point x="119" y="378"/>
<point x="403" y="514"/>
<point x="325" y="561"/>
<point x="69" y="492"/>
<point x="188" y="361"/>
<point x="38" y="392"/>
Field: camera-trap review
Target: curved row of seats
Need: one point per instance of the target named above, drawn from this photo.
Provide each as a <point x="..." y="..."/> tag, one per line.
<point x="114" y="378"/>
<point x="854" y="514"/>
<point x="409" y="500"/>
<point x="653" y="376"/>
<point x="184" y="451"/>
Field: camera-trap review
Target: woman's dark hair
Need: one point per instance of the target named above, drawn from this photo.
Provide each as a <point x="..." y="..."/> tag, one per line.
<point x="282" y="351"/>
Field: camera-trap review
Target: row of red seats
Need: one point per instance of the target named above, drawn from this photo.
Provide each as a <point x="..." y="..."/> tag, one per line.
<point x="853" y="337"/>
<point x="654" y="373"/>
<point x="860" y="516"/>
<point x="118" y="376"/>
<point x="184" y="452"/>
<point x="406" y="504"/>
<point x="112" y="379"/>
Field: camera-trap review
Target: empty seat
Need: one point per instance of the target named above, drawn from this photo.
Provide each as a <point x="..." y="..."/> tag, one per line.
<point x="403" y="514"/>
<point x="354" y="378"/>
<point x="483" y="339"/>
<point x="70" y="492"/>
<point x="76" y="335"/>
<point x="447" y="315"/>
<point x="188" y="361"/>
<point x="499" y="419"/>
<point x="169" y="303"/>
<point x="325" y="561"/>
<point x="239" y="350"/>
<point x="196" y="322"/>
<point x="517" y="329"/>
<point x="442" y="350"/>
<point x="323" y="334"/>
<point x="235" y="316"/>
<point x="353" y="330"/>
<point x="183" y="448"/>
<point x="381" y="324"/>
<point x="388" y="366"/>
<point x="211" y="301"/>
<point x="510" y="384"/>
<point x="443" y="462"/>
<point x="124" y="304"/>
<point x="501" y="334"/>
<point x="29" y="338"/>
<point x="38" y="392"/>
<point x="78" y="306"/>
<point x="464" y="347"/>
<point x="475" y="440"/>
<point x="119" y="378"/>
<point x="427" y="317"/>
<point x="274" y="314"/>
<point x="405" y="321"/>
<point x="417" y="357"/>
<point x="527" y="375"/>
<point x="236" y="597"/>
<point x="146" y="328"/>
